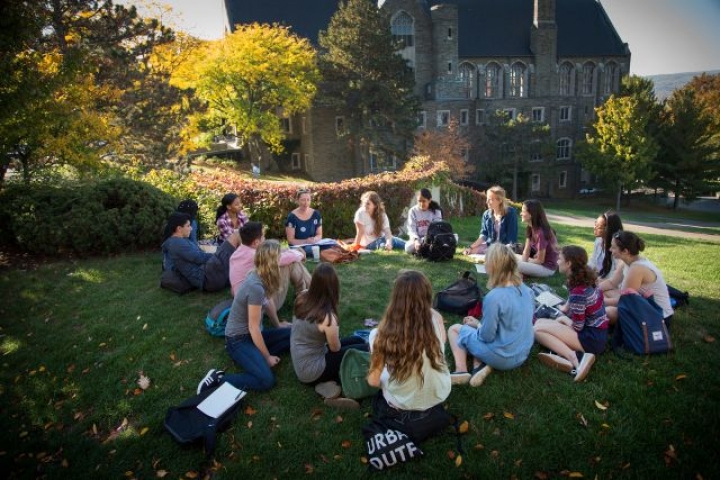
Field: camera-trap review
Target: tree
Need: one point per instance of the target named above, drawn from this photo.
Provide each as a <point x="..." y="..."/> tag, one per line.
<point x="67" y="74"/>
<point x="511" y="143"/>
<point x="618" y="148"/>
<point x="246" y="79"/>
<point x="367" y="79"/>
<point x="688" y="161"/>
<point x="449" y="145"/>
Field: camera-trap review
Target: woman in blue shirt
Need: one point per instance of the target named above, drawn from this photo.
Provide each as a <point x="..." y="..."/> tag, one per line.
<point x="304" y="224"/>
<point x="499" y="222"/>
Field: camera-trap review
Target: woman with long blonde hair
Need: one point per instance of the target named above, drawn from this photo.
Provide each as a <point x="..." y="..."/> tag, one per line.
<point x="408" y="357"/>
<point x="503" y="338"/>
<point x="372" y="227"/>
<point x="499" y="222"/>
<point x="252" y="348"/>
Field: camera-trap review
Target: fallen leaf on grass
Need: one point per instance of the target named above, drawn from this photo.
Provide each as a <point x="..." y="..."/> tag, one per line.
<point x="708" y="339"/>
<point x="489" y="416"/>
<point x="144" y="431"/>
<point x="458" y="460"/>
<point x="670" y="455"/>
<point x="346" y="444"/>
<point x="464" y="427"/>
<point x="581" y="419"/>
<point x="479" y="446"/>
<point x="541" y="475"/>
<point x="191" y="474"/>
<point x="600" y="405"/>
<point x="161" y="473"/>
<point x="682" y="376"/>
<point x="250" y="410"/>
<point x="143" y="381"/>
<point x="338" y="419"/>
<point x="451" y="454"/>
<point x="249" y="424"/>
<point x="575" y="475"/>
<point x="65" y="463"/>
<point x="309" y="468"/>
<point x="509" y="415"/>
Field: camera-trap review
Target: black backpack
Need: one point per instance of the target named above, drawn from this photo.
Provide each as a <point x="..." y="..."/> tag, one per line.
<point x="439" y="243"/>
<point x="188" y="425"/>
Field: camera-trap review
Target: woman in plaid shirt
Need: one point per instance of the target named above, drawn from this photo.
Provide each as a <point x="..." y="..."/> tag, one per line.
<point x="229" y="216"/>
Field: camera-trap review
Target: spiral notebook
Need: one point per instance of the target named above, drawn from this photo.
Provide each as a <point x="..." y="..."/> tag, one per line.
<point x="221" y="400"/>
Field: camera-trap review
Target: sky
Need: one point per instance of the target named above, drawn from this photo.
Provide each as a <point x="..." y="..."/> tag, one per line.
<point x="665" y="36"/>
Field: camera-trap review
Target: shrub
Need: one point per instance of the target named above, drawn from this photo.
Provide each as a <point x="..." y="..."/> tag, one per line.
<point x="105" y="217"/>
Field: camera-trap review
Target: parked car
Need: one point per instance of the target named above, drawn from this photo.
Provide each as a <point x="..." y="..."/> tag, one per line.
<point x="588" y="191"/>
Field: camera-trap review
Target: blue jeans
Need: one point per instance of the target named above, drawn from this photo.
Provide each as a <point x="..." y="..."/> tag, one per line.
<point x="257" y="374"/>
<point x="380" y="244"/>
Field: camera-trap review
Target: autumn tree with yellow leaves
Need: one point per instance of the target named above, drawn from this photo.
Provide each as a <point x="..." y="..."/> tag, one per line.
<point x="247" y="81"/>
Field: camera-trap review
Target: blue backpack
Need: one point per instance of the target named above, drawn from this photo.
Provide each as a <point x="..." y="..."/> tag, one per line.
<point x="640" y="327"/>
<point x="217" y="318"/>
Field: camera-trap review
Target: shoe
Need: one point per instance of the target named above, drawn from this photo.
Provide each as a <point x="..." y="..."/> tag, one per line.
<point x="328" y="390"/>
<point x="211" y="378"/>
<point x="480" y="375"/>
<point x="555" y="361"/>
<point x="342" y="402"/>
<point x="459" y="378"/>
<point x="584" y="368"/>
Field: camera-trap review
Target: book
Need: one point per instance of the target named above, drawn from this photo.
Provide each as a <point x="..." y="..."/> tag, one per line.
<point x="549" y="299"/>
<point x="218" y="402"/>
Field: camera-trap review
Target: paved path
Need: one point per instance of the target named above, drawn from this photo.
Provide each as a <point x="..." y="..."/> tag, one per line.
<point x="671" y="228"/>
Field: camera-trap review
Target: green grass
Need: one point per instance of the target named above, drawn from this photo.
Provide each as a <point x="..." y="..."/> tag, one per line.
<point x="76" y="336"/>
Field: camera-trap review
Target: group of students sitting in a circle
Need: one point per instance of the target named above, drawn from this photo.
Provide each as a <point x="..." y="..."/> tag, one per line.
<point x="408" y="347"/>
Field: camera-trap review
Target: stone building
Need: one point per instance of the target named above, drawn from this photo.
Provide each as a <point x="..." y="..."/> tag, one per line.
<point x="554" y="61"/>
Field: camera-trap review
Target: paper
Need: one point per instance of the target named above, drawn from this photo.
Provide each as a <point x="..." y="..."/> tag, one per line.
<point x="477" y="257"/>
<point x="480" y="267"/>
<point x="220" y="400"/>
<point x="549" y="299"/>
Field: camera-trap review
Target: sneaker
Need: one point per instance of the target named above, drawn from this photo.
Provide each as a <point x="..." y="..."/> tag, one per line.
<point x="342" y="402"/>
<point x="480" y="375"/>
<point x="584" y="368"/>
<point x="211" y="378"/>
<point x="555" y="361"/>
<point x="459" y="378"/>
<point x="328" y="390"/>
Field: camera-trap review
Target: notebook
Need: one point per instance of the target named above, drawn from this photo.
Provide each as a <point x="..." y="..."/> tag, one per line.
<point x="548" y="299"/>
<point x="220" y="400"/>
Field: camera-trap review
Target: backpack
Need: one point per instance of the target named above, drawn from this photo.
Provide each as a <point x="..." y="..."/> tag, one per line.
<point x="640" y="327"/>
<point x="439" y="242"/>
<point x="188" y="425"/>
<point x="459" y="297"/>
<point x="353" y="374"/>
<point x="217" y="318"/>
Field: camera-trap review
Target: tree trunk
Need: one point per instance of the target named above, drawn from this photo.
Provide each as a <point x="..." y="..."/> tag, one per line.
<point x="515" y="176"/>
<point x="676" y="201"/>
<point x="619" y="195"/>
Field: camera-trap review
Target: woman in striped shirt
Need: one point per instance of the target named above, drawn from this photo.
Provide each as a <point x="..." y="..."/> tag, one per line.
<point x="580" y="334"/>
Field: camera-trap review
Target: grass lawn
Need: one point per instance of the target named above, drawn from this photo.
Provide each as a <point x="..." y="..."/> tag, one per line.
<point x="76" y="336"/>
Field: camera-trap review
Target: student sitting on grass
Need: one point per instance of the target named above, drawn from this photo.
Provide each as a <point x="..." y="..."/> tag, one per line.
<point x="503" y="338"/>
<point x="251" y="347"/>
<point x="638" y="273"/>
<point x="229" y="216"/>
<point x="539" y="257"/>
<point x="408" y="360"/>
<point x="315" y="344"/>
<point x="372" y="227"/>
<point x="583" y="333"/>
<point x="205" y="271"/>
<point x="419" y="219"/>
<point x="499" y="222"/>
<point x="601" y="260"/>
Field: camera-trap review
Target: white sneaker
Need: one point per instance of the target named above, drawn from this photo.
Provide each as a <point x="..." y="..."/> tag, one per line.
<point x="329" y="389"/>
<point x="459" y="378"/>
<point x="555" y="361"/>
<point x="584" y="368"/>
<point x="479" y="377"/>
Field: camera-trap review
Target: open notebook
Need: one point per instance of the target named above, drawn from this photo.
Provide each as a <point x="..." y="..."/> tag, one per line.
<point x="548" y="299"/>
<point x="221" y="400"/>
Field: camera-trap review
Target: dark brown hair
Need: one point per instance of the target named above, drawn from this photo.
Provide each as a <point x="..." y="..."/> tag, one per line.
<point x="580" y="274"/>
<point x="320" y="300"/>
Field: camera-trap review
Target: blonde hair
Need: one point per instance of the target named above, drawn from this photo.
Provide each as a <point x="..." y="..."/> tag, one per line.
<point x="502" y="266"/>
<point x="379" y="213"/>
<point x="407" y="331"/>
<point x="267" y="266"/>
<point x="500" y="193"/>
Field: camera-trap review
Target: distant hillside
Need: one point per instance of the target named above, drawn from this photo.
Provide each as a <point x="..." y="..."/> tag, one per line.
<point x="665" y="84"/>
